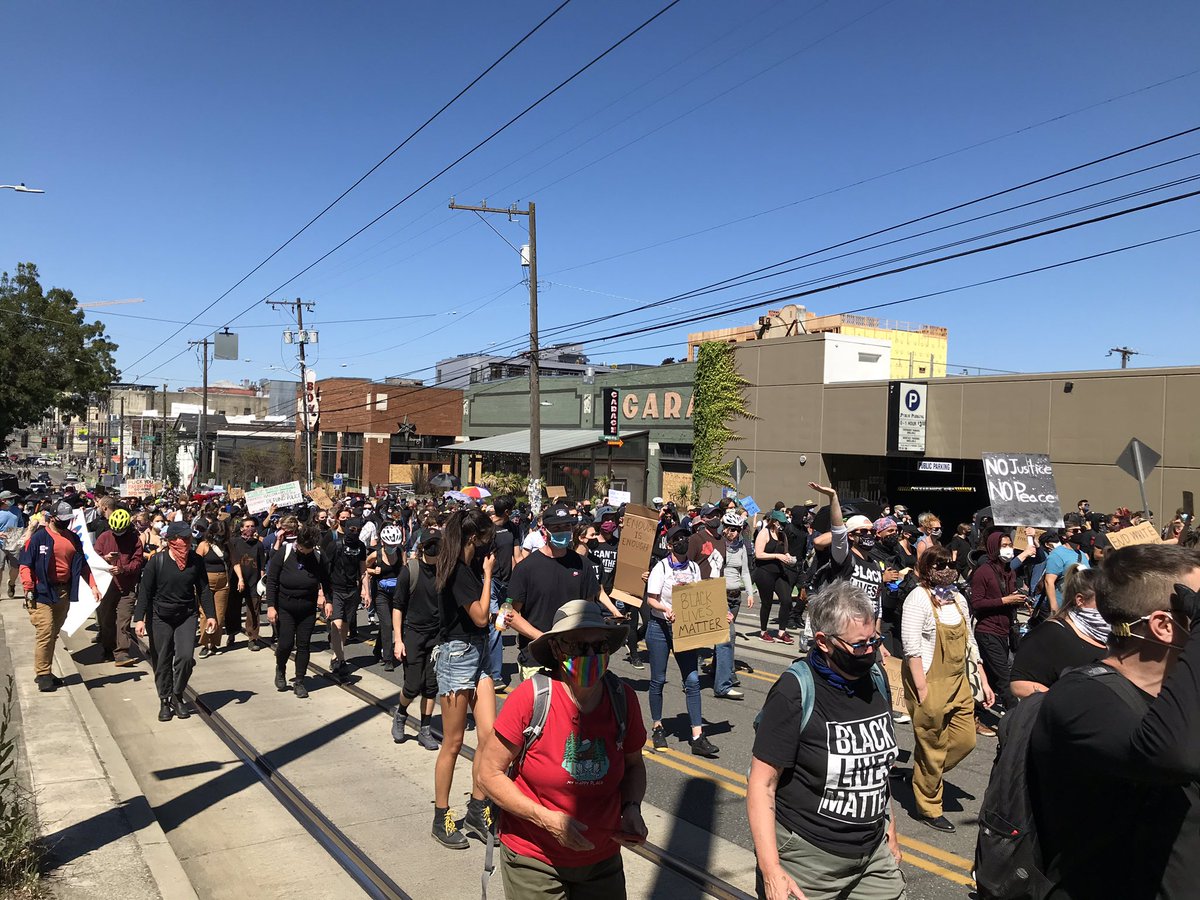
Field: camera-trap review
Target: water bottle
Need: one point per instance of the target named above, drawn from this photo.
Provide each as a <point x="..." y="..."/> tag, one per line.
<point x="506" y="610"/>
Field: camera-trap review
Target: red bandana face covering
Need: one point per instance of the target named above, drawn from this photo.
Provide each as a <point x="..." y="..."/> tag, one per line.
<point x="179" y="551"/>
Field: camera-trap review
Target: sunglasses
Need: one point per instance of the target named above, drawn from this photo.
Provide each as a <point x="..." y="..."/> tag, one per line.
<point x="942" y="566"/>
<point x="582" y="648"/>
<point x="858" y="646"/>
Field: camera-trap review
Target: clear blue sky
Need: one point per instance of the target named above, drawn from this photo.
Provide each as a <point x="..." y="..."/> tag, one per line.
<point x="179" y="144"/>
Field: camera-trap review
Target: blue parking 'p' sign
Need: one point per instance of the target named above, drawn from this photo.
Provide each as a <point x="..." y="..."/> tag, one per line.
<point x="912" y="400"/>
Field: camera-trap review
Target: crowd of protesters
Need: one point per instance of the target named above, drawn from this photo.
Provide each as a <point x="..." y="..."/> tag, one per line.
<point x="980" y="617"/>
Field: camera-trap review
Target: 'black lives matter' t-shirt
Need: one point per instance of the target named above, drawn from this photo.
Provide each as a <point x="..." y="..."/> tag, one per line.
<point x="834" y="788"/>
<point x="604" y="555"/>
<point x="868" y="574"/>
<point x="1049" y="650"/>
<point x="541" y="584"/>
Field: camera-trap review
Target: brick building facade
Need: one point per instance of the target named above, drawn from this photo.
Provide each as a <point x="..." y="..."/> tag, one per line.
<point x="374" y="433"/>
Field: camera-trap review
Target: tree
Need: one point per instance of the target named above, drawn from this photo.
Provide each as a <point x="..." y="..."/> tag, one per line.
<point x="268" y="465"/>
<point x="717" y="399"/>
<point x="56" y="359"/>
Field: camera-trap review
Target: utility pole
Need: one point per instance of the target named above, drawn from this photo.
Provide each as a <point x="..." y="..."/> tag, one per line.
<point x="301" y="337"/>
<point x="121" y="442"/>
<point x="1125" y="354"/>
<point x="202" y="431"/>
<point x="164" y="438"/>
<point x="528" y="258"/>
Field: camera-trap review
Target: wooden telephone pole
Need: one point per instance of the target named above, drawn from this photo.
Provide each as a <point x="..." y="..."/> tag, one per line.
<point x="528" y="258"/>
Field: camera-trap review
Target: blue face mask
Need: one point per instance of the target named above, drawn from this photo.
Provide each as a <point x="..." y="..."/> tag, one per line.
<point x="559" y="540"/>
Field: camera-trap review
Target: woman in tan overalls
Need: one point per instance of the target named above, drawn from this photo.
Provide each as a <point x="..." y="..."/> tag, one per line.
<point x="937" y="639"/>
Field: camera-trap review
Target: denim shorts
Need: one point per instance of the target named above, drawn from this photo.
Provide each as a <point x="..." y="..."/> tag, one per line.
<point x="460" y="665"/>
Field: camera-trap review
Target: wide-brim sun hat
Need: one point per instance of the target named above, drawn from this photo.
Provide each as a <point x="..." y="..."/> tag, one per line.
<point x="577" y="615"/>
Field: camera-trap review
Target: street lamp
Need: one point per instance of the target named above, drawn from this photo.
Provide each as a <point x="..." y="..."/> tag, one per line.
<point x="21" y="189"/>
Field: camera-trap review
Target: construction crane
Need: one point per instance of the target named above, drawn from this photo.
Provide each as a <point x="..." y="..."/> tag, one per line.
<point x="110" y="303"/>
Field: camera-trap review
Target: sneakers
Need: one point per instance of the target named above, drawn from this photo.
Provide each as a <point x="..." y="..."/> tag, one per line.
<point x="182" y="710"/>
<point x="901" y="718"/>
<point x="108" y="656"/>
<point x="205" y="652"/>
<point x="280" y="680"/>
<point x="479" y="822"/>
<point x="389" y="665"/>
<point x="784" y="638"/>
<point x="501" y="688"/>
<point x="635" y="660"/>
<point x="731" y="694"/>
<point x="255" y="645"/>
<point x="46" y="683"/>
<point x="766" y="638"/>
<point x="702" y="747"/>
<point x="124" y="661"/>
<point x="399" y="721"/>
<point x="299" y="689"/>
<point x="940" y="823"/>
<point x="660" y="739"/>
<point x="445" y="831"/>
<point x="166" y="712"/>
<point x="426" y="739"/>
<point x="338" y="669"/>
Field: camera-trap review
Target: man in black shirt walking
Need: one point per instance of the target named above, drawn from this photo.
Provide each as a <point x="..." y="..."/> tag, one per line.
<point x="1115" y="779"/>
<point x="416" y="625"/>
<point x="347" y="573"/>
<point x="172" y="586"/>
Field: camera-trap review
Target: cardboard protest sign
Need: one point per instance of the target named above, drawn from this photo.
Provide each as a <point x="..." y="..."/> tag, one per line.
<point x="261" y="500"/>
<point x="1144" y="533"/>
<point x="1020" y="542"/>
<point x="1022" y="490"/>
<point x="236" y="494"/>
<point x="701" y="615"/>
<point x="556" y="491"/>
<point x="639" y="529"/>
<point x="321" y="498"/>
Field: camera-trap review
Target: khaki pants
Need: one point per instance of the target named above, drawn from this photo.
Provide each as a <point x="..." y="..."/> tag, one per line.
<point x="113" y="616"/>
<point x="823" y="876"/>
<point x="218" y="583"/>
<point x="525" y="878"/>
<point x="47" y="619"/>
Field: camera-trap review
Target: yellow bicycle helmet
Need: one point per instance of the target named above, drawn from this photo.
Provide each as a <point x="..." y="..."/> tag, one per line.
<point x="119" y="519"/>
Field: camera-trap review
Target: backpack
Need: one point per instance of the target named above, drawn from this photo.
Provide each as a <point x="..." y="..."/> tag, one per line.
<point x="803" y="674"/>
<point x="542" y="689"/>
<point x="1008" y="857"/>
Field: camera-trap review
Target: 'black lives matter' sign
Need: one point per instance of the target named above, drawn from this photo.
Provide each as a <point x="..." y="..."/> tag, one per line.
<point x="1022" y="490"/>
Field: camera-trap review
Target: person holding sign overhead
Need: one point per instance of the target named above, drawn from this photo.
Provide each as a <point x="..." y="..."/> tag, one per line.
<point x="668" y="573"/>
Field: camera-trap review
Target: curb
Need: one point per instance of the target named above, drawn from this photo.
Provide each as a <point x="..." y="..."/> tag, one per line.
<point x="166" y="870"/>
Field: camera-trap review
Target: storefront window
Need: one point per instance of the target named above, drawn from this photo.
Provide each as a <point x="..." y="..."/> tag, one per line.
<point x="352" y="458"/>
<point x="327" y="459"/>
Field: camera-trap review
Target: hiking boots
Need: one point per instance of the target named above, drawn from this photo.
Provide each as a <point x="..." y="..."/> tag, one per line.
<point x="280" y="680"/>
<point x="479" y="821"/>
<point x="445" y="830"/>
<point x="426" y="739"/>
<point x="399" y="721"/>
<point x="166" y="711"/>
<point x="299" y="689"/>
<point x="701" y="747"/>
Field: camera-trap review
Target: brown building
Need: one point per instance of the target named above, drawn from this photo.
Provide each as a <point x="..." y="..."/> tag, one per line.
<point x="846" y="433"/>
<point x="374" y="433"/>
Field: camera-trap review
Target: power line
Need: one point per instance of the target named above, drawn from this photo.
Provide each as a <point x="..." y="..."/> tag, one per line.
<point x="373" y="168"/>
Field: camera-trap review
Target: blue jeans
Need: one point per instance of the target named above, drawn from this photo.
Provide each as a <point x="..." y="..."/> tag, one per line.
<point x="723" y="662"/>
<point x="658" y="645"/>
<point x="495" y="640"/>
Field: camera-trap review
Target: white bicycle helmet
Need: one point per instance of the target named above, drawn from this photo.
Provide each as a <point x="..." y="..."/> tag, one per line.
<point x="391" y="535"/>
<point x="734" y="519"/>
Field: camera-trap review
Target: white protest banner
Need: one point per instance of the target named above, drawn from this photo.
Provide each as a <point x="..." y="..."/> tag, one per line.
<point x="139" y="487"/>
<point x="81" y="610"/>
<point x="262" y="499"/>
<point x="616" y="498"/>
<point x="701" y="615"/>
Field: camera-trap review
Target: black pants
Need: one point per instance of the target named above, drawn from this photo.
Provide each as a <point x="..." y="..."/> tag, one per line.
<point x="771" y="585"/>
<point x="637" y="626"/>
<point x="420" y="678"/>
<point x="294" y="625"/>
<point x="993" y="649"/>
<point x="385" y="644"/>
<point x="173" y="644"/>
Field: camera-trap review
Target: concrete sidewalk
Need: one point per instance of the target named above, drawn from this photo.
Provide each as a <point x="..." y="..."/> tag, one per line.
<point x="102" y="836"/>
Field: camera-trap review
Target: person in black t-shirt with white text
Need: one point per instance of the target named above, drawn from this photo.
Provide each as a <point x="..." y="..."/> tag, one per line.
<point x="1114" y="745"/>
<point x="818" y="796"/>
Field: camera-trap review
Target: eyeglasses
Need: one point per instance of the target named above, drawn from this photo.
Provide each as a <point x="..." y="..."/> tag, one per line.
<point x="860" y="646"/>
<point x="582" y="648"/>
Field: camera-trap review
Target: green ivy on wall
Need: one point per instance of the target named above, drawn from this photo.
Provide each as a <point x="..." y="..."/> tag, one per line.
<point x="717" y="401"/>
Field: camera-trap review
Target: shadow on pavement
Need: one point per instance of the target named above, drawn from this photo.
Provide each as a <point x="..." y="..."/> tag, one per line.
<point x="699" y="799"/>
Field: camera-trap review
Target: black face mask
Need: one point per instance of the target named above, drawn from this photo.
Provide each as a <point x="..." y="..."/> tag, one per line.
<point x="865" y="542"/>
<point x="852" y="664"/>
<point x="891" y="542"/>
<point x="593" y="544"/>
<point x="680" y="547"/>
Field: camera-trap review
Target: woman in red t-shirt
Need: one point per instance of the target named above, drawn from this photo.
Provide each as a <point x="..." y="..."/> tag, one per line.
<point x="575" y="797"/>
